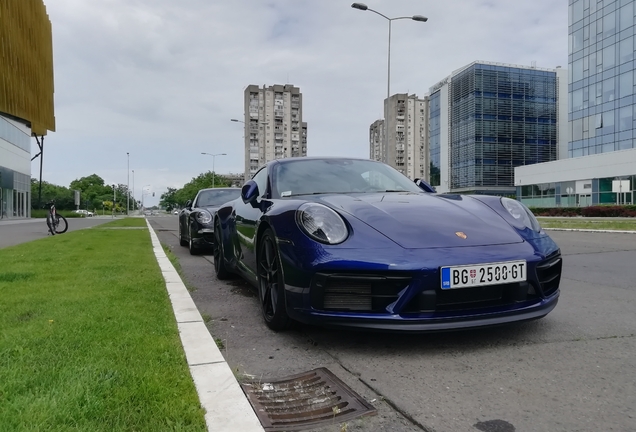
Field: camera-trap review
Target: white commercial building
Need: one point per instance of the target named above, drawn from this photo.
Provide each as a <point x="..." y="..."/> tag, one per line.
<point x="15" y="168"/>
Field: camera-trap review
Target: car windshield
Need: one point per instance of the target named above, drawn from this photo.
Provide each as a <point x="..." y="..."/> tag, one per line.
<point x="316" y="176"/>
<point x="215" y="198"/>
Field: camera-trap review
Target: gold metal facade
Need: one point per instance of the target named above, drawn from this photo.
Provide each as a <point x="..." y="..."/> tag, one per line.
<point x="26" y="63"/>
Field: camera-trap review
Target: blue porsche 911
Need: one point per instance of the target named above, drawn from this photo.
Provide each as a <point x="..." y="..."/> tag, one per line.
<point x="354" y="243"/>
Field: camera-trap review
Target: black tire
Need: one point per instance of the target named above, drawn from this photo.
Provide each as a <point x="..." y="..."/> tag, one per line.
<point x="61" y="225"/>
<point x="182" y="242"/>
<point x="220" y="268"/>
<point x="191" y="247"/>
<point x="271" y="284"/>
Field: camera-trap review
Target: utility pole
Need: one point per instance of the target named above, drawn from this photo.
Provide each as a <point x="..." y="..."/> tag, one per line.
<point x="128" y="186"/>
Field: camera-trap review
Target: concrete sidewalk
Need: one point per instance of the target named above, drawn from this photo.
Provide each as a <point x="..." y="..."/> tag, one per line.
<point x="226" y="406"/>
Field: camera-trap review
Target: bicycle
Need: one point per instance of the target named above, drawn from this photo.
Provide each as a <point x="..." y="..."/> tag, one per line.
<point x="56" y="222"/>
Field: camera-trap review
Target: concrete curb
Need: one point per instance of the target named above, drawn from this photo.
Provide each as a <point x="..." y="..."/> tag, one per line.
<point x="226" y="406"/>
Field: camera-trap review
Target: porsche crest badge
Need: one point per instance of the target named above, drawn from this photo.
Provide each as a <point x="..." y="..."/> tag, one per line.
<point x="461" y="235"/>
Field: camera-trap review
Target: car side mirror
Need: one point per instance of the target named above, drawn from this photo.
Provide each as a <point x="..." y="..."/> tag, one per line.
<point x="425" y="186"/>
<point x="188" y="204"/>
<point x="249" y="192"/>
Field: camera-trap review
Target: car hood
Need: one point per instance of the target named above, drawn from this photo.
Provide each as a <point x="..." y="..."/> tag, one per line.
<point x="420" y="220"/>
<point x="211" y="209"/>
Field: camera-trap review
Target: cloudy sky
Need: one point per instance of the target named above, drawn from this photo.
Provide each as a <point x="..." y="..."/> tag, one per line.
<point x="161" y="79"/>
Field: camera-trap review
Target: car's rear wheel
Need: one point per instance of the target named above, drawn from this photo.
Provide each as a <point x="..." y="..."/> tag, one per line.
<point x="182" y="242"/>
<point x="222" y="273"/>
<point x="271" y="285"/>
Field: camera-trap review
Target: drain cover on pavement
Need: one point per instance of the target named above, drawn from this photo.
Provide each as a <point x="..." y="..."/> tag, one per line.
<point x="304" y="401"/>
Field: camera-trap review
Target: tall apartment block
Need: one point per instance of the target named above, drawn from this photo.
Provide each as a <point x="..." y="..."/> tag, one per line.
<point x="274" y="127"/>
<point x="488" y="118"/>
<point x="599" y="164"/>
<point x="400" y="139"/>
<point x="376" y="140"/>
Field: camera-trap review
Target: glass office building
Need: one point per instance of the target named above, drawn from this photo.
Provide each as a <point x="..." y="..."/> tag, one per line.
<point x="601" y="76"/>
<point x="497" y="117"/>
<point x="601" y="152"/>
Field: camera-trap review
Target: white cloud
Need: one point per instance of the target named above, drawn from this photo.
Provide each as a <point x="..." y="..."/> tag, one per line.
<point x="161" y="79"/>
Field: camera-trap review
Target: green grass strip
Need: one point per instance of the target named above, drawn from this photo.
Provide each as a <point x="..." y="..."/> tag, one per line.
<point x="125" y="222"/>
<point x="88" y="339"/>
<point x="576" y="223"/>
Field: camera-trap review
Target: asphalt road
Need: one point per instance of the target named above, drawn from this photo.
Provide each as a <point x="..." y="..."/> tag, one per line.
<point x="574" y="370"/>
<point x="13" y="232"/>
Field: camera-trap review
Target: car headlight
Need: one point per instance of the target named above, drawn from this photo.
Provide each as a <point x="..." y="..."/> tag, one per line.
<point x="203" y="217"/>
<point x="321" y="223"/>
<point x="521" y="213"/>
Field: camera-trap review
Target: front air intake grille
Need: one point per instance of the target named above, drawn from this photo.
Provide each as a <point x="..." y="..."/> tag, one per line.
<point x="348" y="296"/>
<point x="362" y="293"/>
<point x="549" y="273"/>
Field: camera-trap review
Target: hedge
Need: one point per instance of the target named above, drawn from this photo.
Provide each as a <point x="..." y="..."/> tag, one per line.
<point x="591" y="211"/>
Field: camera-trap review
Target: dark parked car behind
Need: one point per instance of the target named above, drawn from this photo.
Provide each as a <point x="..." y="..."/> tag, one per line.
<point x="196" y="219"/>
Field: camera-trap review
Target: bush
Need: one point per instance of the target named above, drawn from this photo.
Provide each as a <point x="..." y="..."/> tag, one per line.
<point x="592" y="211"/>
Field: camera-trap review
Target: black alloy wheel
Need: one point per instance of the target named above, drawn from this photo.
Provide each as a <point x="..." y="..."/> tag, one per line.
<point x="182" y="242"/>
<point x="271" y="285"/>
<point x="222" y="273"/>
<point x="193" y="250"/>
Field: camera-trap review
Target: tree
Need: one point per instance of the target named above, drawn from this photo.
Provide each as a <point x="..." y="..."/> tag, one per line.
<point x="92" y="190"/>
<point x="63" y="197"/>
<point x="169" y="199"/>
<point x="179" y="197"/>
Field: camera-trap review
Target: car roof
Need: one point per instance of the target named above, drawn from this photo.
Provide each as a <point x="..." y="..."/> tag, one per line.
<point x="305" y="158"/>
<point x="220" y="189"/>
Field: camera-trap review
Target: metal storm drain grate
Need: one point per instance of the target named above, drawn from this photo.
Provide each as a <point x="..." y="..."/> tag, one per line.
<point x="304" y="401"/>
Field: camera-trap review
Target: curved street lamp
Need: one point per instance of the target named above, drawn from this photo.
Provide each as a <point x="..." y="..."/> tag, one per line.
<point x="420" y="18"/>
<point x="213" y="158"/>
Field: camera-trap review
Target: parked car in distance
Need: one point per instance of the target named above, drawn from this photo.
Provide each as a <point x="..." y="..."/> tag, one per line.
<point x="84" y="213"/>
<point x="354" y="243"/>
<point x="196" y="229"/>
<point x="175" y="212"/>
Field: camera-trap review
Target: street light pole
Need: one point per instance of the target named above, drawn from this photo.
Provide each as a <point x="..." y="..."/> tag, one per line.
<point x="213" y="158"/>
<point x="420" y="18"/>
<point x="133" y="192"/>
<point x="128" y="186"/>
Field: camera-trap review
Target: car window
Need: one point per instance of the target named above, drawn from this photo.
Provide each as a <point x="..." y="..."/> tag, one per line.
<point x="261" y="180"/>
<point x="338" y="176"/>
<point x="216" y="198"/>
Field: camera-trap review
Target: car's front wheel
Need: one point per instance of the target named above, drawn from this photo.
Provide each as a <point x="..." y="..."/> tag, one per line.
<point x="193" y="250"/>
<point x="271" y="284"/>
<point x="182" y="242"/>
<point x="222" y="273"/>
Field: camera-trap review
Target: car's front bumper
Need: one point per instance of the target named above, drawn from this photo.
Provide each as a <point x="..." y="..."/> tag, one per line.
<point x="203" y="238"/>
<point x="401" y="290"/>
<point x="468" y="320"/>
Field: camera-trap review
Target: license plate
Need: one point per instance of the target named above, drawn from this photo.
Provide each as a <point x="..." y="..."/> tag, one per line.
<point x="483" y="274"/>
